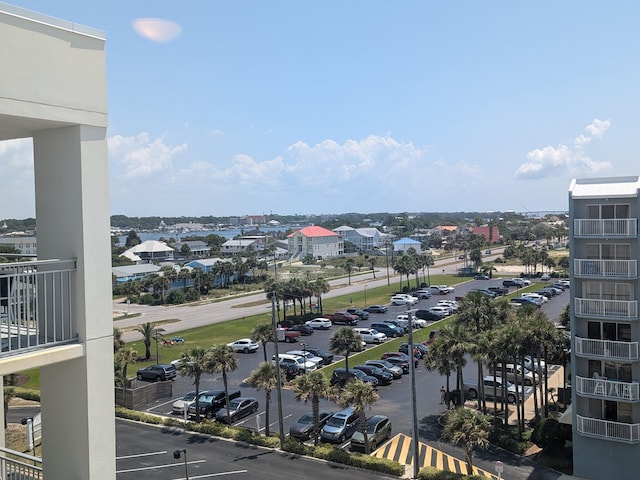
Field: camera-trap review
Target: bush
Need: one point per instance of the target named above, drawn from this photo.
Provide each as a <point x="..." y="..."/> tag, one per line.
<point x="432" y="473"/>
<point x="549" y="435"/>
<point x="175" y="297"/>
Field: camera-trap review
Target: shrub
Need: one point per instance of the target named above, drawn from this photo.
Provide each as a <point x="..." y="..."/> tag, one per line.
<point x="432" y="473"/>
<point x="549" y="435"/>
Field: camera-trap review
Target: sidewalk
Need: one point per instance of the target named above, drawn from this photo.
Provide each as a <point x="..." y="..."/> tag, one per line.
<point x="555" y="382"/>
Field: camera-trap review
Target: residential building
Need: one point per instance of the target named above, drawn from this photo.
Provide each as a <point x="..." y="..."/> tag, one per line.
<point x="316" y="241"/>
<point x="128" y="273"/>
<point x="214" y="265"/>
<point x="605" y="361"/>
<point x="151" y="251"/>
<point x="239" y="246"/>
<point x="56" y="311"/>
<point x="491" y="233"/>
<point x="363" y="239"/>
<point x="26" y="245"/>
<point x="405" y="244"/>
<point x="197" y="248"/>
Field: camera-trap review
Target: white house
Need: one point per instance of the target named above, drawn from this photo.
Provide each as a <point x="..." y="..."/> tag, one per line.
<point x="151" y="251"/>
<point x="316" y="241"/>
<point x="364" y="239"/>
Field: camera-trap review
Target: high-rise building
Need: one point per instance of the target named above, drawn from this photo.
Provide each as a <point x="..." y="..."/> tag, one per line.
<point x="55" y="312"/>
<point x="605" y="361"/>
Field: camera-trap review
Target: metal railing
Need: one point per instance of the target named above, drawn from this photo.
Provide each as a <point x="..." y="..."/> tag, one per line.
<point x="605" y="268"/>
<point x="19" y="466"/>
<point x="590" y="347"/>
<point x="615" y="431"/>
<point x="592" y="307"/>
<point x="36" y="300"/>
<point x="610" y="227"/>
<point x="608" y="389"/>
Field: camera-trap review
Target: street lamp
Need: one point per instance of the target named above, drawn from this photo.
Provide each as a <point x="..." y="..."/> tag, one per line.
<point x="304" y="350"/>
<point x="414" y="416"/>
<point x="157" y="333"/>
<point x="365" y="295"/>
<point x="176" y="455"/>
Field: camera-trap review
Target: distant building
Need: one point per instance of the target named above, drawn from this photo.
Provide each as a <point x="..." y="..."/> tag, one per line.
<point x="316" y="241"/>
<point x="128" y="273"/>
<point x="197" y="248"/>
<point x="364" y="239"/>
<point x="151" y="251"/>
<point x="210" y="265"/>
<point x="239" y="246"/>
<point x="26" y="245"/>
<point x="446" y="230"/>
<point x="405" y="244"/>
<point x="491" y="233"/>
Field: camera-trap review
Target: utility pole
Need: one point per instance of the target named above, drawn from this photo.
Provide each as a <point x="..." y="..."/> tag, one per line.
<point x="278" y="377"/>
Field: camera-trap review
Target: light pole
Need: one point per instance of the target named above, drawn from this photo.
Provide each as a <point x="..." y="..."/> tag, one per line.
<point x="414" y="417"/>
<point x="157" y="333"/>
<point x="304" y="350"/>
<point x="176" y="455"/>
<point x="365" y="295"/>
<point x="274" y="333"/>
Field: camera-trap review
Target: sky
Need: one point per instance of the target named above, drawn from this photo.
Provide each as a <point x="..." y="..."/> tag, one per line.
<point x="239" y="107"/>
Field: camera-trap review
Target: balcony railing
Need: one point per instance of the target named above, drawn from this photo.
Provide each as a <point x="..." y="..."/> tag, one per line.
<point x="610" y="227"/>
<point x="615" y="431"/>
<point x="591" y="307"/>
<point x="605" y="268"/>
<point x="36" y="300"/>
<point x="608" y="389"/>
<point x="590" y="347"/>
<point x="19" y="465"/>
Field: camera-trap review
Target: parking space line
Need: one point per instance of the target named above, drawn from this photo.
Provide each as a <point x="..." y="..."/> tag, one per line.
<point x="157" y="467"/>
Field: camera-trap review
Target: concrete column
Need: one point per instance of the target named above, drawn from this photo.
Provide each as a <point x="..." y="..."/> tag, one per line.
<point x="72" y="218"/>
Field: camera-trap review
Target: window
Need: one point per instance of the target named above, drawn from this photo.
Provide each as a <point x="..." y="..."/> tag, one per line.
<point x="608" y="291"/>
<point x="608" y="251"/>
<point x="596" y="212"/>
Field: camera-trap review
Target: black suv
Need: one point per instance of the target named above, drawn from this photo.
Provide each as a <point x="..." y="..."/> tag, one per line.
<point x="340" y="377"/>
<point x="327" y="357"/>
<point x="158" y="373"/>
<point x="384" y="378"/>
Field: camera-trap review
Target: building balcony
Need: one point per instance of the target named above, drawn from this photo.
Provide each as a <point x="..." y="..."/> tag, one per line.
<point x="605" y="429"/>
<point x="615" y="309"/>
<point x="610" y="227"/>
<point x="606" y="389"/>
<point x="605" y="268"/>
<point x="35" y="305"/>
<point x="606" y="349"/>
<point x="18" y="465"/>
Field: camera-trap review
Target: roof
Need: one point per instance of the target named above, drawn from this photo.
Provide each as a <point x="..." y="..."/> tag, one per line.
<point x="406" y="241"/>
<point x="314" y="231"/>
<point x="448" y="228"/>
<point x="343" y="228"/>
<point x="128" y="270"/>
<point x="150" y="246"/>
<point x="605" y="187"/>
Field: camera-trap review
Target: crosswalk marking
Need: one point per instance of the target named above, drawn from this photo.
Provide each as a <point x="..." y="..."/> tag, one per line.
<point x="399" y="448"/>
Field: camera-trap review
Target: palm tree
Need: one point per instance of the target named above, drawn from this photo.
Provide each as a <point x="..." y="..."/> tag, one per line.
<point x="148" y="331"/>
<point x="263" y="334"/>
<point x="343" y="342"/>
<point x="372" y="263"/>
<point x="265" y="377"/>
<point x="321" y="286"/>
<point x="314" y="386"/>
<point x="118" y="342"/>
<point x="223" y="360"/>
<point x="348" y="266"/>
<point x="194" y="362"/>
<point x="467" y="429"/>
<point x="359" y="395"/>
<point x="122" y="359"/>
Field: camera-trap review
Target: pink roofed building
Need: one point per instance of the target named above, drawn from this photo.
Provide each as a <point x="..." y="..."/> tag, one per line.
<point x="316" y="241"/>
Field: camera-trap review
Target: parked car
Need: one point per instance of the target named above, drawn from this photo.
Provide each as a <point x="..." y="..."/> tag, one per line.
<point x="376" y="309"/>
<point x="371" y="335"/>
<point x="341" y="376"/>
<point x="237" y="409"/>
<point x="303" y="365"/>
<point x="157" y="373"/>
<point x="404" y="318"/>
<point x="545" y="277"/>
<point x="327" y="357"/>
<point x="384" y="378"/>
<point x="403" y="299"/>
<point x="308" y="356"/>
<point x="319" y="323"/>
<point x="340" y="426"/>
<point x="530" y="365"/>
<point x="481" y="276"/>
<point x="512" y="371"/>
<point x="525" y="301"/>
<point x="513" y="282"/>
<point x="363" y="314"/>
<point x="210" y="401"/>
<point x="303" y="428"/>
<point x="400" y="362"/>
<point x="471" y="389"/>
<point x="486" y="292"/>
<point x="388" y="329"/>
<point x="441" y="289"/>
<point x="422" y="350"/>
<point x="536" y="296"/>
<point x="427" y="315"/>
<point x="244" y="345"/>
<point x="422" y="293"/>
<point x="403" y="356"/>
<point x="179" y="406"/>
<point x="439" y="311"/>
<point x="303" y="328"/>
<point x="378" y="432"/>
<point x="499" y="291"/>
<point x="394" y="370"/>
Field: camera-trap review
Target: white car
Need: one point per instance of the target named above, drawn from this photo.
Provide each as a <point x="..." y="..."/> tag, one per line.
<point x="530" y="365"/>
<point x="319" y="323"/>
<point x="415" y="322"/>
<point x="244" y="345"/>
<point x="302" y="365"/>
<point x="179" y="406"/>
<point x="310" y="357"/>
<point x="371" y="335"/>
<point x="403" y="300"/>
<point x="439" y="311"/>
<point x="452" y="305"/>
<point x="537" y="296"/>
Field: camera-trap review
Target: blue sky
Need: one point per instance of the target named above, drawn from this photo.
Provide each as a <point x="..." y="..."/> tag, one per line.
<point x="336" y="106"/>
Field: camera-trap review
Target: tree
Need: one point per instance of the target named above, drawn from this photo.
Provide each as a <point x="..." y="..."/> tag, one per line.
<point x="468" y="429"/>
<point x="359" y="395"/>
<point x="372" y="263"/>
<point x="132" y="239"/>
<point x="148" y="331"/>
<point x="454" y="340"/>
<point x="343" y="342"/>
<point x="265" y="377"/>
<point x="313" y="386"/>
<point x="118" y="342"/>
<point x="348" y="266"/>
<point x="223" y="360"/>
<point x="263" y="334"/>
<point x="193" y="363"/>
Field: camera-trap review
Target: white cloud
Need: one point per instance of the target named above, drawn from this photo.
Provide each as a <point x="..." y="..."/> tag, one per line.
<point x="139" y="157"/>
<point x="562" y="160"/>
